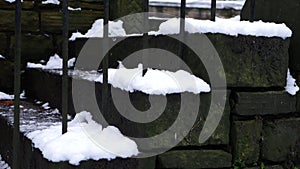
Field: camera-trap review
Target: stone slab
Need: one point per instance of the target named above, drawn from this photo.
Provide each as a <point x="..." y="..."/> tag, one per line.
<point x="281" y="140"/>
<point x="188" y="159"/>
<point x="246" y="137"/>
<point x="51" y="21"/>
<point x="30" y="20"/>
<point x="263" y="103"/>
<point x="280" y="12"/>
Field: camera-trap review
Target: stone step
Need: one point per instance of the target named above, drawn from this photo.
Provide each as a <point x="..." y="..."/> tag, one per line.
<point x="46" y="85"/>
<point x="248" y="61"/>
<point x="263" y="103"/>
<point x="32" y="158"/>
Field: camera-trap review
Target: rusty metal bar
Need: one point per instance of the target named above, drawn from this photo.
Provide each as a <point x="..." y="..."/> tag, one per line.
<point x="213" y="10"/>
<point x="17" y="87"/>
<point x="105" y="61"/>
<point x="252" y="9"/>
<point x="65" y="53"/>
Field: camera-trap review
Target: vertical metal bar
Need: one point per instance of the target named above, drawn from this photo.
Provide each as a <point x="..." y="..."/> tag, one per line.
<point x="17" y="86"/>
<point x="106" y="59"/>
<point x="182" y="27"/>
<point x="252" y="8"/>
<point x="213" y="10"/>
<point x="65" y="52"/>
<point x="145" y="35"/>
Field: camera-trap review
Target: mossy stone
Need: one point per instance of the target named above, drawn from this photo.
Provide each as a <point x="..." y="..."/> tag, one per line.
<point x="246" y="136"/>
<point x="188" y="159"/>
<point x="281" y="140"/>
<point x="30" y="20"/>
<point x="280" y="12"/>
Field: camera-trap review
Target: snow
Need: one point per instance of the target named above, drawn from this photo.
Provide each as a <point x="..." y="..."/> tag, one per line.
<point x="231" y="27"/>
<point x="206" y="4"/>
<point x="2" y="57"/>
<point x="12" y="1"/>
<point x="115" y="29"/>
<point x="76" y="145"/>
<point x="291" y="86"/>
<point x="155" y="82"/>
<point x="3" y="164"/>
<point x="46" y="106"/>
<point x="73" y="9"/>
<point x="4" y="96"/>
<point x="55" y="2"/>
<point x="55" y="62"/>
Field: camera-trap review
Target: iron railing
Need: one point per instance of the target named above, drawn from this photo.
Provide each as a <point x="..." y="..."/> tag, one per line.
<point x="65" y="85"/>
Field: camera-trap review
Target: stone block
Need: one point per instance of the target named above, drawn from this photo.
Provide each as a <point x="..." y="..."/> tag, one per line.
<point x="246" y="136"/>
<point x="30" y="20"/>
<point x="34" y="48"/>
<point x="188" y="159"/>
<point x="6" y="76"/>
<point x="263" y="103"/>
<point x="280" y="12"/>
<point x="281" y="140"/>
<point x="3" y="44"/>
<point x="51" y="21"/>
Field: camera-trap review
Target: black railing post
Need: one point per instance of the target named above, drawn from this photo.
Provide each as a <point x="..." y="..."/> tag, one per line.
<point x="17" y="86"/>
<point x="65" y="84"/>
<point x="213" y="10"/>
<point x="105" y="59"/>
<point x="182" y="27"/>
<point x="145" y="35"/>
<point x="252" y="8"/>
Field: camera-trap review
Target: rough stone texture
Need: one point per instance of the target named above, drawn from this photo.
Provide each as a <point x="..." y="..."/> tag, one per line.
<point x="34" y="48"/>
<point x="267" y="167"/>
<point x="263" y="103"/>
<point x="281" y="140"/>
<point x="252" y="61"/>
<point x="86" y="5"/>
<point x="280" y="11"/>
<point x="220" y="135"/>
<point x="3" y="44"/>
<point x="30" y="20"/>
<point x="188" y="159"/>
<point x="6" y="76"/>
<point x="120" y="8"/>
<point x="51" y="21"/>
<point x="32" y="158"/>
<point x="246" y="138"/>
<point x="47" y="87"/>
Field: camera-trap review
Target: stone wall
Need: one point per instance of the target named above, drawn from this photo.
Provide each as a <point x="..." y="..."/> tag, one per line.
<point x="260" y="123"/>
<point x="42" y="29"/>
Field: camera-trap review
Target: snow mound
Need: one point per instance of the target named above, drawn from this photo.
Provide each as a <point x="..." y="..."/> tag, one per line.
<point x="3" y="164"/>
<point x="115" y="29"/>
<point x="155" y="82"/>
<point x="231" y="27"/>
<point x="55" y="2"/>
<point x="291" y="86"/>
<point x="4" y="96"/>
<point x="55" y="62"/>
<point x="85" y="140"/>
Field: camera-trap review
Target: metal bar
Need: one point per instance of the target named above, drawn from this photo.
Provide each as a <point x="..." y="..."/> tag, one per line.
<point x="106" y="59"/>
<point x="145" y="36"/>
<point x="252" y="9"/>
<point x="182" y="28"/>
<point x="65" y="52"/>
<point x="17" y="86"/>
<point x="213" y="10"/>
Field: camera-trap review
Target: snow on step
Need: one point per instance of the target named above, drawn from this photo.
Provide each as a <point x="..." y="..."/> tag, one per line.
<point x="76" y="145"/>
<point x="231" y="27"/>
